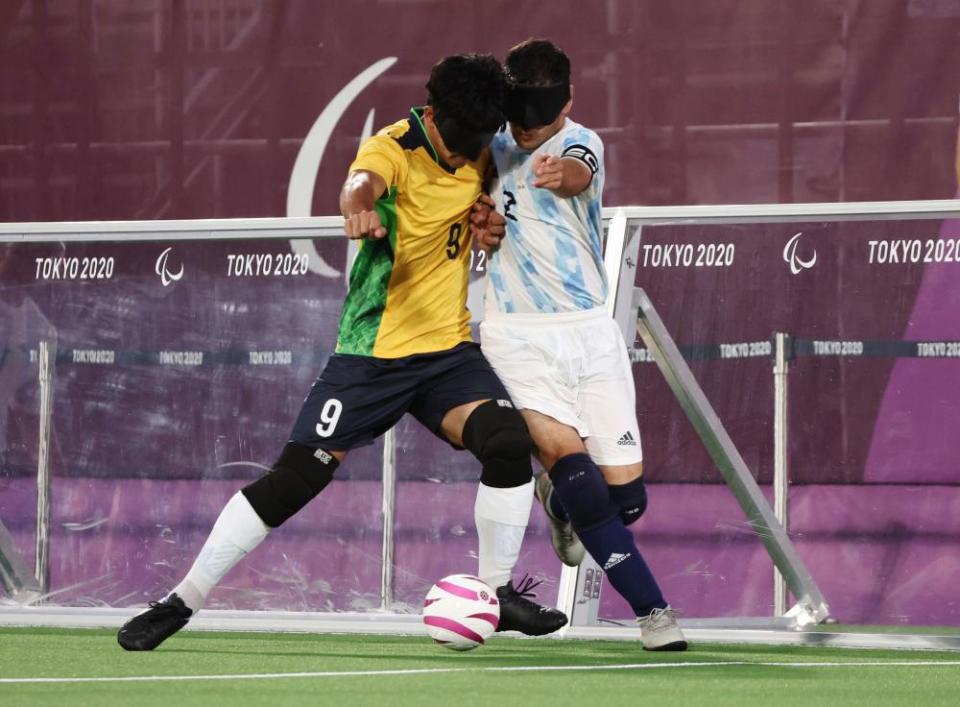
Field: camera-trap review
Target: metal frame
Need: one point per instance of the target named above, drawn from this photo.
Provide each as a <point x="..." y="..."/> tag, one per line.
<point x="182" y="230"/>
<point x="46" y="360"/>
<point x="580" y="588"/>
<point x="790" y="213"/>
<point x="573" y="584"/>
<point x="781" y="475"/>
<point x="389" y="495"/>
<point x="326" y="226"/>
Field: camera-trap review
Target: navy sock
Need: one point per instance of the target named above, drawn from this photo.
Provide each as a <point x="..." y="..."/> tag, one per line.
<point x="625" y="567"/>
<point x="582" y="491"/>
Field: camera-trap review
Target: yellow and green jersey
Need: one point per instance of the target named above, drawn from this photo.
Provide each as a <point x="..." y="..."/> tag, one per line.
<point x="408" y="290"/>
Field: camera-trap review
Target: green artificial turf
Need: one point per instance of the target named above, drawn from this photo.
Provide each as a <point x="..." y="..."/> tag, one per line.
<point x="506" y="671"/>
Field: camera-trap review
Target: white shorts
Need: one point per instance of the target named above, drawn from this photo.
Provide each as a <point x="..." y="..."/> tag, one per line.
<point x="574" y="368"/>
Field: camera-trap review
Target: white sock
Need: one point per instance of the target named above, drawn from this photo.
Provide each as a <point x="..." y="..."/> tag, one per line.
<point x="238" y="530"/>
<point x="501" y="516"/>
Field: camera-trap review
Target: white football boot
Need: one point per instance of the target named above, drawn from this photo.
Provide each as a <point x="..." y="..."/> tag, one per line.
<point x="660" y="632"/>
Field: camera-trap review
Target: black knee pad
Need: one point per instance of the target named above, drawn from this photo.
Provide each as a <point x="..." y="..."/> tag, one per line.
<point x="582" y="491"/>
<point x="498" y="437"/>
<point x="300" y="473"/>
<point x="630" y="499"/>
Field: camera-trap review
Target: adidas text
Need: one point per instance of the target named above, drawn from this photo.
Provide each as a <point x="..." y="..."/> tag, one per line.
<point x="615" y="559"/>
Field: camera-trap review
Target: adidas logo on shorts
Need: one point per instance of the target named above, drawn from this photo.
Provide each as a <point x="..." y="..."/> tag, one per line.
<point x="627" y="440"/>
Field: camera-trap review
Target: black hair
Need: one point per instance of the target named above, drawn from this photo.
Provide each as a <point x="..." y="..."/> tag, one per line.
<point x="470" y="89"/>
<point x="538" y="62"/>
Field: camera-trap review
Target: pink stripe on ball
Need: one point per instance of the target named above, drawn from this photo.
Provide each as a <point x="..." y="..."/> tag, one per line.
<point x="492" y="619"/>
<point x="457" y="590"/>
<point x="453" y="626"/>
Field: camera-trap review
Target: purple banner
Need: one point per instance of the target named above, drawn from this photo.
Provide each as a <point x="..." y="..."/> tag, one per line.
<point x="137" y="109"/>
<point x="856" y="294"/>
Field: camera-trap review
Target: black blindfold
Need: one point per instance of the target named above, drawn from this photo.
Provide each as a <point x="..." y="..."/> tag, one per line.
<point x="460" y="139"/>
<point x="533" y="106"/>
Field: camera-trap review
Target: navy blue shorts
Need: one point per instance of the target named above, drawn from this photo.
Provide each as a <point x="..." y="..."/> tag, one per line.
<point x="358" y="398"/>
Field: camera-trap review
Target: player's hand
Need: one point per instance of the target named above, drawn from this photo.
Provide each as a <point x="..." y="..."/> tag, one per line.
<point x="364" y="224"/>
<point x="548" y="172"/>
<point x="487" y="226"/>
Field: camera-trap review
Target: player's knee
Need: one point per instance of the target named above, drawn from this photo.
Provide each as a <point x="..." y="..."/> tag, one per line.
<point x="583" y="492"/>
<point x="498" y="437"/>
<point x="298" y="476"/>
<point x="630" y="499"/>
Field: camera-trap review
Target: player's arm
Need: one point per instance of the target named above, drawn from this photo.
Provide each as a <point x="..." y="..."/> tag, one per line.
<point x="357" y="199"/>
<point x="487" y="225"/>
<point x="564" y="176"/>
<point x="571" y="172"/>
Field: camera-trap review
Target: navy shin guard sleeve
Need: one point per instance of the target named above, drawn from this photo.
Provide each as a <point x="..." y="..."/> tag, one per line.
<point x="300" y="473"/>
<point x="631" y="499"/>
<point x="584" y="495"/>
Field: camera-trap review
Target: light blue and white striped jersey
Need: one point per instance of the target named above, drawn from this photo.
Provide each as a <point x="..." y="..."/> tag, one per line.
<point x="551" y="259"/>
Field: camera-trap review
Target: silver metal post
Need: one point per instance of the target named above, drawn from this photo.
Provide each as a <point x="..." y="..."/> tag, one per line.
<point x="781" y="368"/>
<point x="389" y="507"/>
<point x="46" y="360"/>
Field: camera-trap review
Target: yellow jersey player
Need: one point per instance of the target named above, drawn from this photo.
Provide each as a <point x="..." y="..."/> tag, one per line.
<point x="403" y="345"/>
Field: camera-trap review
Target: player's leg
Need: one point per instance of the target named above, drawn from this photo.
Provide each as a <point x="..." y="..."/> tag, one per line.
<point x="497" y="437"/>
<point x="556" y="441"/>
<point x="580" y="492"/>
<point x="627" y="490"/>
<point x="579" y="486"/>
<point x="464" y="403"/>
<point x="608" y="409"/>
<point x="245" y="521"/>
<point x="348" y="406"/>
<point x="659" y="627"/>
<point x="530" y="356"/>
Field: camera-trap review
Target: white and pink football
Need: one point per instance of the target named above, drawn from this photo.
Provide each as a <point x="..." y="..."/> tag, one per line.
<point x="461" y="612"/>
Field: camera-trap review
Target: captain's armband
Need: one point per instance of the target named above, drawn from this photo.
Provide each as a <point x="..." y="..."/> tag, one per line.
<point x="585" y="155"/>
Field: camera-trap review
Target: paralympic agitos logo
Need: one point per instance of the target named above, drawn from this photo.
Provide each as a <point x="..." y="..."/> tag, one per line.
<point x="162" y="269"/>
<point x="796" y="263"/>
